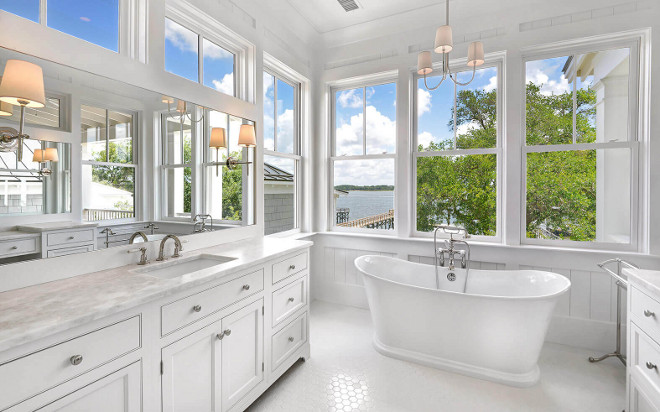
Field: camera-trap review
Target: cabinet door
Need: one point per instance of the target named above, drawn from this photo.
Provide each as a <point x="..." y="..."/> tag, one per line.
<point x="117" y="392"/>
<point x="191" y="372"/>
<point x="242" y="353"/>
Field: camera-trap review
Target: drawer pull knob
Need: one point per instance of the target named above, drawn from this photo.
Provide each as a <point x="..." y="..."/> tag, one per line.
<point x="291" y="299"/>
<point x="76" y="359"/>
<point x="71" y="237"/>
<point x="649" y="314"/>
<point x="197" y="308"/>
<point x="14" y="247"/>
<point x="650" y="365"/>
<point x="224" y="333"/>
<point x="291" y="339"/>
<point x="246" y="287"/>
<point x="292" y="267"/>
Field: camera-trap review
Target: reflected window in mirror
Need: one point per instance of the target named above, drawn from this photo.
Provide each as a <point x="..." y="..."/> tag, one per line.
<point x="48" y="116"/>
<point x="177" y="149"/>
<point x="95" y="21"/>
<point x="281" y="152"/>
<point x="108" y="167"/>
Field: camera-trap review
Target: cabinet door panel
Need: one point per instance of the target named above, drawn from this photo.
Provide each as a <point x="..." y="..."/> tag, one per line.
<point x="242" y="353"/>
<point x="190" y="380"/>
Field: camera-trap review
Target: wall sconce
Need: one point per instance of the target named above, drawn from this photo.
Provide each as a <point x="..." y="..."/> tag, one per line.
<point x="246" y="138"/>
<point x="43" y="156"/>
<point x="22" y="85"/>
<point x="181" y="109"/>
<point x="218" y="140"/>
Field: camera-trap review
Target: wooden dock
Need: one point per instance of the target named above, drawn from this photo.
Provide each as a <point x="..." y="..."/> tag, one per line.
<point x="381" y="221"/>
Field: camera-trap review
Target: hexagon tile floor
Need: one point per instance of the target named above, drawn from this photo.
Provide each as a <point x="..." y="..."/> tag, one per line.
<point x="345" y="373"/>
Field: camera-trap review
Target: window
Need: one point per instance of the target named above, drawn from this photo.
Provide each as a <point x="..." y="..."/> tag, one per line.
<point x="282" y="153"/>
<point x="190" y="55"/>
<point x="178" y="165"/>
<point x="108" y="166"/>
<point x="580" y="148"/>
<point x="96" y="21"/>
<point x="49" y="116"/>
<point x="363" y="157"/>
<point x="458" y="155"/>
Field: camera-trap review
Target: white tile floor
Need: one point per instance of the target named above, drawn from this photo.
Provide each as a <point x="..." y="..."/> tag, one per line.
<point x="345" y="373"/>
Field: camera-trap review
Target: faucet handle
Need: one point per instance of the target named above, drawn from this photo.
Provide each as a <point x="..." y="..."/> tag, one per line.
<point x="143" y="257"/>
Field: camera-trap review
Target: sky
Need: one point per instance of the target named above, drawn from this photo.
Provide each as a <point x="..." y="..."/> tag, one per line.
<point x="278" y="105"/>
<point x="95" y="21"/>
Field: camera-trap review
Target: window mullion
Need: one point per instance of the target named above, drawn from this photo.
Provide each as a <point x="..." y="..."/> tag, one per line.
<point x="200" y="59"/>
<point x="107" y="135"/>
<point x="364" y="120"/>
<point x="43" y="12"/>
<point x="455" y="116"/>
<point x="574" y="107"/>
<point x="274" y="113"/>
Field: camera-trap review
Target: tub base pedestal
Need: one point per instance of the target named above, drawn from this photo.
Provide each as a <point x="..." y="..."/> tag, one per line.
<point x="520" y="380"/>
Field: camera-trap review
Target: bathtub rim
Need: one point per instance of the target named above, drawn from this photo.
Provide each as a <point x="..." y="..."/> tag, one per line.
<point x="554" y="295"/>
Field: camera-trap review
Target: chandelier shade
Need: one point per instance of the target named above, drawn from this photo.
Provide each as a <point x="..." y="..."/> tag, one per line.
<point x="23" y="84"/>
<point x="443" y="39"/>
<point x="424" y="65"/>
<point x="475" y="54"/>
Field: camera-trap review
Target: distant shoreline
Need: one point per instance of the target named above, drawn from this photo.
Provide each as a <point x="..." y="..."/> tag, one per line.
<point x="375" y="188"/>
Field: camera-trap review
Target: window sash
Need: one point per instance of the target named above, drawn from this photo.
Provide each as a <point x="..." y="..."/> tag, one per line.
<point x="297" y="188"/>
<point x="296" y="111"/>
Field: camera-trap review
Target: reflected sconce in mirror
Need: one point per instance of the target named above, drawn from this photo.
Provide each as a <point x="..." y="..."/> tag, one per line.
<point x="218" y="141"/>
<point x="44" y="156"/>
<point x="246" y="138"/>
<point x="181" y="109"/>
<point x="22" y="85"/>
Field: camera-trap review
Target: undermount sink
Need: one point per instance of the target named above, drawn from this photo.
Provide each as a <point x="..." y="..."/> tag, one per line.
<point x="176" y="267"/>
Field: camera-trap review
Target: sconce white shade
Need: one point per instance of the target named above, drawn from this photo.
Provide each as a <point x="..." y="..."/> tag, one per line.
<point x="167" y="99"/>
<point x="475" y="54"/>
<point x="246" y="136"/>
<point x="23" y="82"/>
<point x="6" y="109"/>
<point x="38" y="156"/>
<point x="443" y="39"/>
<point x="424" y="65"/>
<point x="50" y="154"/>
<point x="218" y="138"/>
<point x="181" y="106"/>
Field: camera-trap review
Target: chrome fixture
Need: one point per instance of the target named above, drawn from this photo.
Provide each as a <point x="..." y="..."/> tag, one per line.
<point x="450" y="252"/>
<point x="177" y="247"/>
<point x="76" y="360"/>
<point x="621" y="283"/>
<point x="143" y="255"/>
<point x="181" y="109"/>
<point x="443" y="45"/>
<point x="224" y="333"/>
<point x="151" y="226"/>
<point x="200" y="223"/>
<point x="135" y="235"/>
<point x="246" y="138"/>
<point x="22" y="85"/>
<point x="107" y="232"/>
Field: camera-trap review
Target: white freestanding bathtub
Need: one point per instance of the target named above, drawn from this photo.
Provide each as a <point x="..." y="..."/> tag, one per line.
<point x="495" y="330"/>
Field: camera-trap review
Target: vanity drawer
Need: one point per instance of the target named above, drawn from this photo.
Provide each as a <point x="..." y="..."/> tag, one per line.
<point x="288" y="340"/>
<point x="289" y="299"/>
<point x="190" y="309"/>
<point x="18" y="247"/>
<point x="646" y="312"/>
<point x="645" y="356"/>
<point x="29" y="375"/>
<point x="69" y="251"/>
<point x="70" y="237"/>
<point x="289" y="266"/>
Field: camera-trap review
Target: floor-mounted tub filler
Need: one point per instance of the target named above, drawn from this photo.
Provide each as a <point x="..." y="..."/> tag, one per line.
<point x="490" y="324"/>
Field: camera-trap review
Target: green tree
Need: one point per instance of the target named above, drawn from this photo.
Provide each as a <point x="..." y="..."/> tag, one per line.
<point x="116" y="176"/>
<point x="232" y="192"/>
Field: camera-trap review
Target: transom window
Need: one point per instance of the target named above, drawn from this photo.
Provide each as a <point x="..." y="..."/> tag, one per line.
<point x="96" y="21"/>
<point x="581" y="150"/>
<point x="363" y="157"/>
<point x="457" y="153"/>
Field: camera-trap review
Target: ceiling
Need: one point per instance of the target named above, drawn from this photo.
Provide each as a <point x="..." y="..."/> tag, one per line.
<point x="328" y="15"/>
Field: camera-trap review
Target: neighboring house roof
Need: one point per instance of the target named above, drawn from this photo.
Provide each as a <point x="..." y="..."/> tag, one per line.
<point x="275" y="174"/>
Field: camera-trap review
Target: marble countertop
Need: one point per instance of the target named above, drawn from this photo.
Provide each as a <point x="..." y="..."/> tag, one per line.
<point x="646" y="279"/>
<point x="34" y="312"/>
<point x="45" y="227"/>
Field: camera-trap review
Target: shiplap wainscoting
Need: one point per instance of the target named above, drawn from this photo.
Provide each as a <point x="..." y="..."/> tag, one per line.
<point x="584" y="317"/>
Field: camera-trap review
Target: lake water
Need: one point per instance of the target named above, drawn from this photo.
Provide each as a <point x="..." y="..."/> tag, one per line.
<point x="366" y="203"/>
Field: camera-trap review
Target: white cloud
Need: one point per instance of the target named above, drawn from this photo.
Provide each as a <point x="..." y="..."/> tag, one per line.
<point x="381" y="134"/>
<point x="465" y="127"/>
<point x="182" y="38"/>
<point x="537" y="73"/>
<point x="492" y="84"/>
<point x="226" y="85"/>
<point x="423" y="101"/>
<point x="213" y="51"/>
<point x="350" y="99"/>
<point x="364" y="172"/>
<point x="425" y="138"/>
<point x="285" y="131"/>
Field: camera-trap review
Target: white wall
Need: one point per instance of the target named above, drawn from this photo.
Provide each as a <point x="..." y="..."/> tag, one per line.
<point x="586" y="316"/>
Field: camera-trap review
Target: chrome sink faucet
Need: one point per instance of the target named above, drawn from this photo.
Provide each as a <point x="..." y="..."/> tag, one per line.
<point x="177" y="247"/>
<point x="136" y="234"/>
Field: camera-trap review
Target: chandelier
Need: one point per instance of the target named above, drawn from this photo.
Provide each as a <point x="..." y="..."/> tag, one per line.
<point x="443" y="45"/>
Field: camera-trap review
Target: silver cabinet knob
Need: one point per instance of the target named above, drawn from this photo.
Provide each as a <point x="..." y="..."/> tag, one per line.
<point x="197" y="308"/>
<point x="290" y="338"/>
<point x="71" y="237"/>
<point x="292" y="267"/>
<point x="246" y="287"/>
<point x="650" y="365"/>
<point x="224" y="333"/>
<point x="14" y="247"/>
<point x="291" y="299"/>
<point x="649" y="314"/>
<point x="76" y="359"/>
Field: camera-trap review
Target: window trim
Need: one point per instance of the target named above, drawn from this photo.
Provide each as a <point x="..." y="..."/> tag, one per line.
<point x="634" y="41"/>
<point x="376" y="79"/>
<point x="137" y="176"/>
<point x="496" y="60"/>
